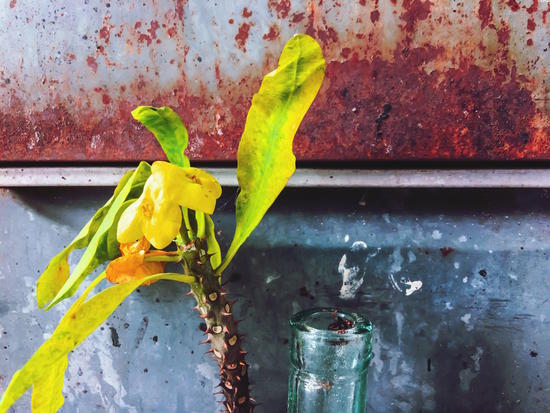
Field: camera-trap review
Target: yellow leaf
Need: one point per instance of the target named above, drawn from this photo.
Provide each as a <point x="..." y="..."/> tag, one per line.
<point x="82" y="318"/>
<point x="46" y="392"/>
<point x="265" y="158"/>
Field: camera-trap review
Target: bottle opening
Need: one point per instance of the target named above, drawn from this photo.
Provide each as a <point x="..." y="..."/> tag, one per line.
<point x="331" y="320"/>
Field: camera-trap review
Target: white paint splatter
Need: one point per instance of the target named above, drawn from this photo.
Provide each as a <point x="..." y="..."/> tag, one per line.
<point x="448" y="306"/>
<point x="436" y="234"/>
<point x="358" y="246"/>
<point x="271" y="278"/>
<point x="462" y="238"/>
<point x="386" y="218"/>
<point x="209" y="372"/>
<point x="29" y="297"/>
<point x="30" y="215"/>
<point x="394" y="283"/>
<point x="377" y="352"/>
<point x="396" y="261"/>
<point x="112" y="378"/>
<point x="33" y="140"/>
<point x="513" y="276"/>
<point x="466" y="320"/>
<point x="465" y="280"/>
<point x="468" y="374"/>
<point x="346" y="238"/>
<point x="411" y="256"/>
<point x="96" y="142"/>
<point x="457" y="265"/>
<point x="351" y="280"/>
<point x="476" y="283"/>
<point x="413" y="286"/>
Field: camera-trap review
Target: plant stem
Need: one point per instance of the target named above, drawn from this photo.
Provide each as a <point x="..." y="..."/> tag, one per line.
<point x="222" y="335"/>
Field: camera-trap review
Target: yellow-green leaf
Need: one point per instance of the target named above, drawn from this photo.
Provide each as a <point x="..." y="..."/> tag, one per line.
<point x="82" y="318"/>
<point x="265" y="158"/>
<point x="169" y="130"/>
<point x="47" y="396"/>
<point x="57" y="271"/>
<point x="213" y="248"/>
<point x="97" y="250"/>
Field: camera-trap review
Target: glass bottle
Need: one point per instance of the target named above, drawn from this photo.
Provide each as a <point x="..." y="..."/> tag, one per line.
<point x="330" y="351"/>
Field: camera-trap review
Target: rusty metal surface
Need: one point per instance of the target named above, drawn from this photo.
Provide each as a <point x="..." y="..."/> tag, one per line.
<point x="406" y="79"/>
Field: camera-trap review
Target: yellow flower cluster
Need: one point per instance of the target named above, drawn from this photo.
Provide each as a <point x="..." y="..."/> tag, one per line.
<point x="157" y="212"/>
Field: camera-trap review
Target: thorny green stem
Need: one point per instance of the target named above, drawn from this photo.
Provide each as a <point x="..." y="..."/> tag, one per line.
<point x="221" y="330"/>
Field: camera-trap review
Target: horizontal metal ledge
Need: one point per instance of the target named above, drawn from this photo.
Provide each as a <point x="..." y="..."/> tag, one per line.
<point x="347" y="178"/>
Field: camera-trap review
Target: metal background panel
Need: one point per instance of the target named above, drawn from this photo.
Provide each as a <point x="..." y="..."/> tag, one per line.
<point x="406" y="80"/>
<point x="474" y="338"/>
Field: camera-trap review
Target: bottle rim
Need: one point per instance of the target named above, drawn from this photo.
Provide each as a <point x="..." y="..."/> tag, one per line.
<point x="313" y="321"/>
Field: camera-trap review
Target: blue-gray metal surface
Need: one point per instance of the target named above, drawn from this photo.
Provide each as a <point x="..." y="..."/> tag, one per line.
<point x="455" y="282"/>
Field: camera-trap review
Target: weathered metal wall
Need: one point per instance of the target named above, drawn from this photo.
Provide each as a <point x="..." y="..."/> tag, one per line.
<point x="406" y="79"/>
<point x="456" y="283"/>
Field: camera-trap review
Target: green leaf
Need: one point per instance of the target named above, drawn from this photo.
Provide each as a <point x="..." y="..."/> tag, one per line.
<point x="199" y="217"/>
<point x="57" y="271"/>
<point x="99" y="246"/>
<point x="187" y="223"/>
<point x="212" y="244"/>
<point x="47" y="396"/>
<point x="169" y="130"/>
<point x="265" y="158"/>
<point x="108" y="246"/>
<point x="82" y="318"/>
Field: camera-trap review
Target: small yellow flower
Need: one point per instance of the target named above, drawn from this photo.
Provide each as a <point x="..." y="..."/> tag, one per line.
<point x="132" y="264"/>
<point x="157" y="213"/>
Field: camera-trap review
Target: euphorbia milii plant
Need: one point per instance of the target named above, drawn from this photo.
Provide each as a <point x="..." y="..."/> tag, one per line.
<point x="160" y="213"/>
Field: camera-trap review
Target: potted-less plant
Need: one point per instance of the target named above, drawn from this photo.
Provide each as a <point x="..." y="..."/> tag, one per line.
<point x="160" y="213"/>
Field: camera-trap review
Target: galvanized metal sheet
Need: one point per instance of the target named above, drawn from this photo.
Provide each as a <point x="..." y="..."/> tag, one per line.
<point x="475" y="337"/>
<point x="406" y="79"/>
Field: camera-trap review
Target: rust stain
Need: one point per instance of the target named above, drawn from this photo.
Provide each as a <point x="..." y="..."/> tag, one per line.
<point x="485" y="12"/>
<point x="13" y="3"/>
<point x="92" y="63"/>
<point x="414" y="11"/>
<point x="298" y="17"/>
<point x="514" y="5"/>
<point x="533" y="7"/>
<point x="409" y="96"/>
<point x="273" y="33"/>
<point x="242" y="36"/>
<point x="180" y="8"/>
<point x="431" y="115"/>
<point x="503" y="34"/>
<point x="281" y="7"/>
<point x="154" y="26"/>
<point x="446" y="251"/>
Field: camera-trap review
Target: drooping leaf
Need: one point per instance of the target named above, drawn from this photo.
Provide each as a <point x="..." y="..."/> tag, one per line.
<point x="57" y="271"/>
<point x="212" y="244"/>
<point x="82" y="318"/>
<point x="98" y="248"/>
<point x="47" y="396"/>
<point x="169" y="130"/>
<point x="265" y="158"/>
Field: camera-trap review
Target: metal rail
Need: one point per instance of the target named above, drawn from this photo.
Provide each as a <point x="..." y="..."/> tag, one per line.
<point x="346" y="178"/>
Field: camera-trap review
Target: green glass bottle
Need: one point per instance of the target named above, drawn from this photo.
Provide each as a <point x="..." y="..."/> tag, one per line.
<point x="330" y="351"/>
